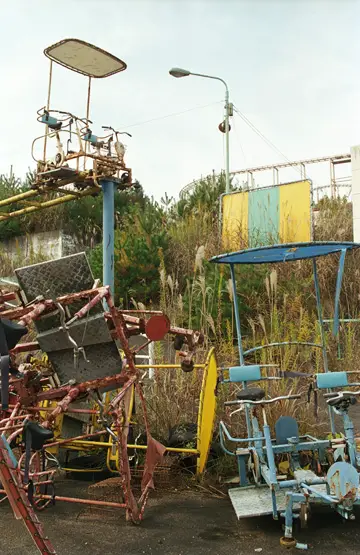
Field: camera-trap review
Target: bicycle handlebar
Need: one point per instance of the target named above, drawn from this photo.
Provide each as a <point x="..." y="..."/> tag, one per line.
<point x="262" y="402"/>
<point x="68" y="115"/>
<point x="340" y="395"/>
<point x="116" y="132"/>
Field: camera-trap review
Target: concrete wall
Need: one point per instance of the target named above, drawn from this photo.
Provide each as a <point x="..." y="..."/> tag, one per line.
<point x="355" y="169"/>
<point x="50" y="244"/>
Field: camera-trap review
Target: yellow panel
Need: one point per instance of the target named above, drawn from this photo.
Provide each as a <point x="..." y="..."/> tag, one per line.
<point x="295" y="215"/>
<point x="235" y="219"/>
<point x="112" y="454"/>
<point x="57" y="428"/>
<point x="207" y="410"/>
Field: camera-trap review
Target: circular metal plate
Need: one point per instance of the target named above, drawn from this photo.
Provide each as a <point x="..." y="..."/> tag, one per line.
<point x="157" y="327"/>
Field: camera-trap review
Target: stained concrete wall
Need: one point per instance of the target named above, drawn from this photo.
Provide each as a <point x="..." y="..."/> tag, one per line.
<point x="47" y="245"/>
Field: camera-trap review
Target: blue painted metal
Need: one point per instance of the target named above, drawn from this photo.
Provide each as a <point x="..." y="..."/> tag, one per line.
<point x="274" y="505"/>
<point x="237" y="316"/>
<point x="302" y="489"/>
<point x="280" y="344"/>
<point x="244" y="373"/>
<point x="222" y="442"/>
<point x="49" y="120"/>
<point x="242" y="465"/>
<point x="323" y="339"/>
<point x="239" y="341"/>
<point x="224" y="429"/>
<point x="312" y="445"/>
<point x="263" y="216"/>
<point x="108" y="187"/>
<point x="9" y="450"/>
<point x="350" y="438"/>
<point x="343" y="320"/>
<point x="283" y="253"/>
<point x="301" y="446"/>
<point x="289" y="515"/>
<point x="270" y="456"/>
<point x="257" y="433"/>
<point x="294" y="483"/>
<point x="337" y="293"/>
<point x="319" y="310"/>
<point x="286" y="427"/>
<point x="90" y="138"/>
<point x="332" y="379"/>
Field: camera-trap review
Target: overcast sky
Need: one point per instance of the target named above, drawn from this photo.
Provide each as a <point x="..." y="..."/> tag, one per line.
<point x="292" y="67"/>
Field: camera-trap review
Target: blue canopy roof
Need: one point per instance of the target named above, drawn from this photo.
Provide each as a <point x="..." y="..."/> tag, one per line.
<point x="283" y="253"/>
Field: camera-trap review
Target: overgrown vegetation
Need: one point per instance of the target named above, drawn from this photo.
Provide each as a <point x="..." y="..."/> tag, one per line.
<point x="162" y="252"/>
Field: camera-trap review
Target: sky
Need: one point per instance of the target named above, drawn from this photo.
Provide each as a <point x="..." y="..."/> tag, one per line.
<point x="291" y="67"/>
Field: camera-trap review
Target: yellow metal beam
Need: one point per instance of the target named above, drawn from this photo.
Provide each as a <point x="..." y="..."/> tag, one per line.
<point x="30" y="203"/>
<point x="45" y="189"/>
<point x="164" y="366"/>
<point x="17" y="198"/>
<point x="84" y="442"/>
<point x="46" y="204"/>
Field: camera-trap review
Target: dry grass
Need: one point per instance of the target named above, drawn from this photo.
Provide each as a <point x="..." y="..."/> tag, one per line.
<point x="281" y="307"/>
<point x="277" y="304"/>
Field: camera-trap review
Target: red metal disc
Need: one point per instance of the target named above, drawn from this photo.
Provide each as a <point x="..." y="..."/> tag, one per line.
<point x="157" y="327"/>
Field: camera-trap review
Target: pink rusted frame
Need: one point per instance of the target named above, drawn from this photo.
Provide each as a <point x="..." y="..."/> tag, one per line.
<point x="65" y="395"/>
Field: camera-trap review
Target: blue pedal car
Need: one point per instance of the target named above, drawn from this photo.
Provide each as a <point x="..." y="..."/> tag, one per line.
<point x="262" y="488"/>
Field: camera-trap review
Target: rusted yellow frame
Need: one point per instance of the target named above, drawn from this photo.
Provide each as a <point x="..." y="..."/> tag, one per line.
<point x="34" y="205"/>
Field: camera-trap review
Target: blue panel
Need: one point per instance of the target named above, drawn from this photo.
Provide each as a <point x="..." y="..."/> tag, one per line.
<point x="338" y="291"/>
<point x="245" y="373"/>
<point x="329" y="380"/>
<point x="264" y="216"/>
<point x="10" y="451"/>
<point x="49" y="120"/>
<point x="283" y="253"/>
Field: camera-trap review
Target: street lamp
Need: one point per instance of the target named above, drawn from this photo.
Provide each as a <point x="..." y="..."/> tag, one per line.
<point x="179" y="72"/>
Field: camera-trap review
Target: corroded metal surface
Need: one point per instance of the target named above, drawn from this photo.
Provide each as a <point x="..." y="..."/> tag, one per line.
<point x="343" y="480"/>
<point x="54" y="279"/>
<point x="104" y="360"/>
<point x="57" y="277"/>
<point x="91" y="330"/>
<point x="255" y="501"/>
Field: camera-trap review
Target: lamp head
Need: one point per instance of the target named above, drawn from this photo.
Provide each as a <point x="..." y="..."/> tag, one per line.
<point x="179" y="72"/>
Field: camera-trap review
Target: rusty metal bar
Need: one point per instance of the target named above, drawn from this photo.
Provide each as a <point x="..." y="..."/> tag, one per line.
<point x="25" y="347"/>
<point x="85" y="501"/>
<point x="129" y="446"/>
<point x="46" y="204"/>
<point x="78" y="438"/>
<point x="48" y="409"/>
<point x="78" y="500"/>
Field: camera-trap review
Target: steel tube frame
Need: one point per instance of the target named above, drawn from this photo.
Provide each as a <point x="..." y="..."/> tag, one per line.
<point x="239" y="340"/>
<point x="322" y="334"/>
<point x="108" y="187"/>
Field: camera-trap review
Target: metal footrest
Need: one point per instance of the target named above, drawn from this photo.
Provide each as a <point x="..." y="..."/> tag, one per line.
<point x="255" y="501"/>
<point x="63" y="172"/>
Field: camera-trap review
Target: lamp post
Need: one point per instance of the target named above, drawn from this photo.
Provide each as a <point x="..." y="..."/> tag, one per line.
<point x="179" y="72"/>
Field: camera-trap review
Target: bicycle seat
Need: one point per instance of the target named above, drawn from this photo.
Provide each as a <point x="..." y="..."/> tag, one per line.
<point x="251" y="394"/>
<point x="345" y="400"/>
<point x="13" y="332"/>
<point x="38" y="434"/>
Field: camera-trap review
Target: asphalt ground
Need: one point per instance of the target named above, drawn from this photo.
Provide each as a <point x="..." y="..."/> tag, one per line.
<point x="175" y="523"/>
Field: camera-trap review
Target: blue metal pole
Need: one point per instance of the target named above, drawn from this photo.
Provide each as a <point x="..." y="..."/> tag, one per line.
<point x="338" y="291"/>
<point x="322" y="334"/>
<point x="350" y="438"/>
<point x="237" y="316"/>
<point x="239" y="341"/>
<point x="108" y="188"/>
